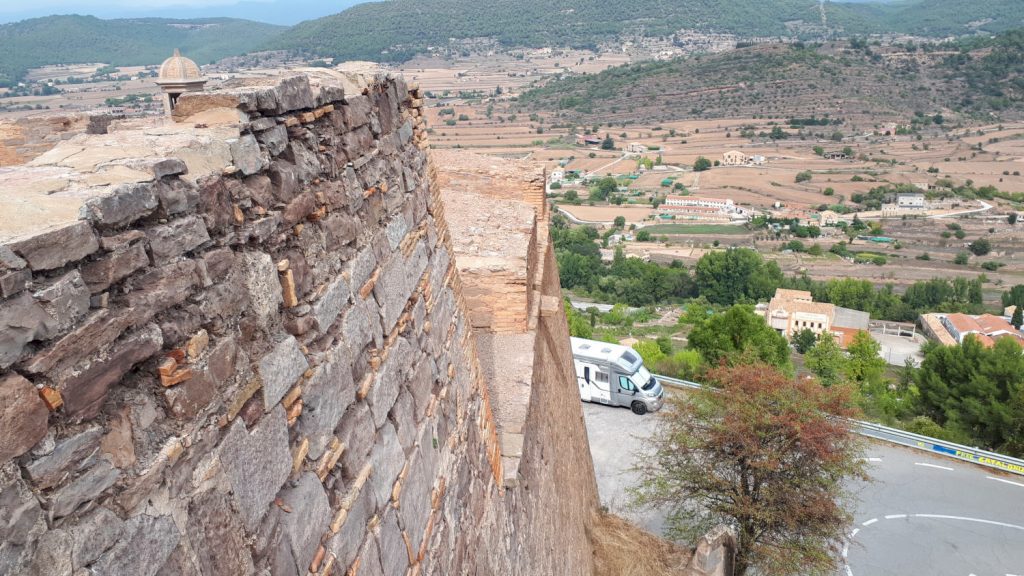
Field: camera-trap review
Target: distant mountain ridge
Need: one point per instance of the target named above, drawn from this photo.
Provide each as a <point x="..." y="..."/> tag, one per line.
<point x="398" y="29"/>
<point x="125" y="42"/>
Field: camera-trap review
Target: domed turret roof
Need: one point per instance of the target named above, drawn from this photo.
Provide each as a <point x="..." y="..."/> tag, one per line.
<point x="179" y="68"/>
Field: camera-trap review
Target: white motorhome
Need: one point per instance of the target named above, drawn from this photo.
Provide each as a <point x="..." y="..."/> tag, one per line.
<point x="615" y="375"/>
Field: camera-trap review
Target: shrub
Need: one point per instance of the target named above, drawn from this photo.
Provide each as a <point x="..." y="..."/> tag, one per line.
<point x="804" y="176"/>
<point x="961" y="259"/>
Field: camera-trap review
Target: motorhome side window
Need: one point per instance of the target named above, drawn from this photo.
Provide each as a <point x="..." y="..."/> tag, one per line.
<point x="625" y="384"/>
<point x="600" y="376"/>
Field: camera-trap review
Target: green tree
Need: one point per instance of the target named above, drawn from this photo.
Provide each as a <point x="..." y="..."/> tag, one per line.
<point x="1018" y="316"/>
<point x="571" y="195"/>
<point x="737" y="336"/>
<point x="643" y="236"/>
<point x="961" y="259"/>
<point x="827" y="361"/>
<point x="620" y="222"/>
<point x="1012" y="218"/>
<point x="701" y="164"/>
<point x="608" y="143"/>
<point x="579" y="325"/>
<point x="819" y="150"/>
<point x="865" y="366"/>
<point x="1014" y="295"/>
<point x="649" y="351"/>
<point x="804" y="340"/>
<point x="768" y="455"/>
<point x="684" y="364"/>
<point x="604" y="188"/>
<point x="804" y="176"/>
<point x="976" y="391"/>
<point x="736" y="275"/>
<point x="981" y="246"/>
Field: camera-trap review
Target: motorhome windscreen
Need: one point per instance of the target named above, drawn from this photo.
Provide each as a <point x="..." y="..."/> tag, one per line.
<point x="643" y="378"/>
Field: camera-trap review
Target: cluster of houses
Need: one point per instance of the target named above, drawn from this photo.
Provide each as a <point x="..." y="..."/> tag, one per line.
<point x="951" y="329"/>
<point x="703" y="209"/>
<point x="792" y="311"/>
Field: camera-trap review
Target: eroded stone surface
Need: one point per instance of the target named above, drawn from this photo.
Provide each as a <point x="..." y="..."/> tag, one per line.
<point x="23" y="416"/>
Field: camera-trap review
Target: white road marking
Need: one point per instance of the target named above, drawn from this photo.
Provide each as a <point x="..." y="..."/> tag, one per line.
<point x="979" y="521"/>
<point x="933" y="466"/>
<point x="870" y="522"/>
<point x="872" y="459"/>
<point x="1005" y="482"/>
<point x="848" y="571"/>
<point x="895" y="516"/>
<point x="846" y="550"/>
<point x="854" y="533"/>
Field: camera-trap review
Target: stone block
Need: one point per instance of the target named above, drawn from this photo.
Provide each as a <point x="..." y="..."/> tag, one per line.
<point x="388" y="460"/>
<point x="279" y="369"/>
<point x="85" y="488"/>
<point x="274" y="138"/>
<point x="9" y="260"/>
<point x="264" y="289"/>
<point x="340" y="229"/>
<point x="361" y="268"/>
<point x="285" y="180"/>
<point x="85" y="392"/>
<point x="398" y="280"/>
<point x="417" y="493"/>
<point x="23" y="416"/>
<point x="246" y="155"/>
<point x="100" y="274"/>
<point x="176" y="197"/>
<point x="220" y="543"/>
<point x="68" y="454"/>
<point x="329" y="306"/>
<point x="345" y="544"/>
<point x="357" y="432"/>
<point x="369" y="559"/>
<point x="61" y="358"/>
<point x="56" y="248"/>
<point x="356" y="111"/>
<point x="357" y="142"/>
<point x="66" y="300"/>
<point x="12" y="283"/>
<point x="394" y="556"/>
<point x="421" y="385"/>
<point x="95" y="534"/>
<point x="396" y="231"/>
<point x="404" y="418"/>
<point x="124" y="205"/>
<point x="215" y="204"/>
<point x="22" y="521"/>
<point x="308" y="520"/>
<point x="51" y="555"/>
<point x="147" y="543"/>
<point x="191" y="396"/>
<point x="325" y="398"/>
<point x="389" y="381"/>
<point x="171" y="240"/>
<point x="257" y="464"/>
<point x="298" y="209"/>
<point x="294" y="93"/>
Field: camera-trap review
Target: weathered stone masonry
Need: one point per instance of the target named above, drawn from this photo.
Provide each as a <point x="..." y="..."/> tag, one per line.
<point x="239" y="345"/>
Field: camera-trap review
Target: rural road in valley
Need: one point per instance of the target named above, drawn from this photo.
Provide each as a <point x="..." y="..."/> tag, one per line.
<point x="922" y="516"/>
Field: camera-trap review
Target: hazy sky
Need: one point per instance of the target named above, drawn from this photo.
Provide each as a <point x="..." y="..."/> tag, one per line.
<point x="275" y="11"/>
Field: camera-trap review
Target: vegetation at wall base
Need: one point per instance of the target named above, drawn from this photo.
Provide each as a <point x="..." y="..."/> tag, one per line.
<point x="760" y="452"/>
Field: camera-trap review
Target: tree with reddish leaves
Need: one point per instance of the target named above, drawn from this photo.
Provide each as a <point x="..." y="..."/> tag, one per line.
<point x="765" y="454"/>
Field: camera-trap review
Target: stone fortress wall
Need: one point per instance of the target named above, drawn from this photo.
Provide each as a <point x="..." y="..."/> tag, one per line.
<point x="240" y="344"/>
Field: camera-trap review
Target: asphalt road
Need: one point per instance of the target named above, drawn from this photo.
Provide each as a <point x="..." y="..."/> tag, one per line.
<point x="923" y="515"/>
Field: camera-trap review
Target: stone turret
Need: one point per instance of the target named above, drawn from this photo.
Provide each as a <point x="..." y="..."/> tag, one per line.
<point x="179" y="75"/>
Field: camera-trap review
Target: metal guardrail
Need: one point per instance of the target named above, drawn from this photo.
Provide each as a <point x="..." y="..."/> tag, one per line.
<point x="909" y="439"/>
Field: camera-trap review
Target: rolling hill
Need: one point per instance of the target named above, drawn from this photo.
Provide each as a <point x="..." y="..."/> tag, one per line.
<point x="397" y="29"/>
<point x="126" y="42"/>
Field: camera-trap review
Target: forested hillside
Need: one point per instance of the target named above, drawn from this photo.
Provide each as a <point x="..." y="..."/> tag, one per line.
<point x="398" y="29"/>
<point x="993" y="71"/>
<point x="81" y="39"/>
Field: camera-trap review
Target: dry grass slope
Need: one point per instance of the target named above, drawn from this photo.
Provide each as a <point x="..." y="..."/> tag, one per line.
<point x="624" y="549"/>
